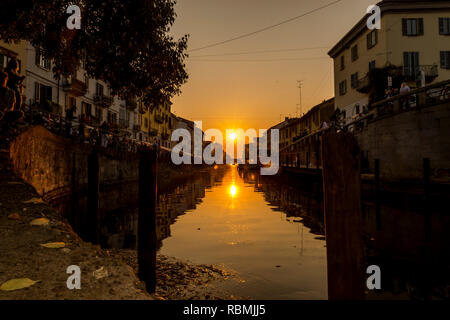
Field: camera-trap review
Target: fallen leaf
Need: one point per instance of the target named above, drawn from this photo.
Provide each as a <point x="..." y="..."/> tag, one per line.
<point x="40" y="222"/>
<point x="53" y="245"/>
<point x="100" y="273"/>
<point x="34" y="201"/>
<point x="14" y="216"/>
<point x="16" y="284"/>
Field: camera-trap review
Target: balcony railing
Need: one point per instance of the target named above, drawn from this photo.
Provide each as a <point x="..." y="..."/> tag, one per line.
<point x="165" y="136"/>
<point x="136" y="127"/>
<point x="363" y="84"/>
<point x="74" y="87"/>
<point x="153" y="132"/>
<point x="103" y="101"/>
<point x="414" y="72"/>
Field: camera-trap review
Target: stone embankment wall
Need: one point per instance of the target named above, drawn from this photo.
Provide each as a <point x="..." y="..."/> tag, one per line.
<point x="58" y="169"/>
<point x="402" y="141"/>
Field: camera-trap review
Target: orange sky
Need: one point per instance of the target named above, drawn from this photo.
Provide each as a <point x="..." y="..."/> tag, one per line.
<point x="247" y="91"/>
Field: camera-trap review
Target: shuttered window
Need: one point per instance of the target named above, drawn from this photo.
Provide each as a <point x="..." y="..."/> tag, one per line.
<point x="372" y="39"/>
<point x="42" y="92"/>
<point x="41" y="61"/>
<point x="445" y="59"/>
<point x="355" y="53"/>
<point x="444" y="26"/>
<point x="343" y="87"/>
<point x="411" y="63"/>
<point x="354" y="79"/>
<point x="412" y="27"/>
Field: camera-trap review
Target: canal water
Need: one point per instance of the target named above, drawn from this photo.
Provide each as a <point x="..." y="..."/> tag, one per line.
<point x="241" y="225"/>
<point x="269" y="232"/>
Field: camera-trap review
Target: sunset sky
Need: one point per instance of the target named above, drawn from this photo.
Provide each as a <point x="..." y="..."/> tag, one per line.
<point x="255" y="90"/>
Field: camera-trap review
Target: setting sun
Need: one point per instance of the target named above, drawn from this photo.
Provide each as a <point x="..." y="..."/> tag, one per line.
<point x="233" y="136"/>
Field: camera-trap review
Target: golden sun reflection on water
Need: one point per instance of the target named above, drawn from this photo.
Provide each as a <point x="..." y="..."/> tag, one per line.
<point x="233" y="191"/>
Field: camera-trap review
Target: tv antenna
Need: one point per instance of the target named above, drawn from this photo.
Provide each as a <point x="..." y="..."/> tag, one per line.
<point x="298" y="110"/>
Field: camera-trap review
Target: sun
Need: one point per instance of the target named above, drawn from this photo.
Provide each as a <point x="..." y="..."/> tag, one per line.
<point x="233" y="136"/>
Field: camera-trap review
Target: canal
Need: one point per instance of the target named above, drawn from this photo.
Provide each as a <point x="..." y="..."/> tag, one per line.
<point x="269" y="233"/>
<point x="240" y="225"/>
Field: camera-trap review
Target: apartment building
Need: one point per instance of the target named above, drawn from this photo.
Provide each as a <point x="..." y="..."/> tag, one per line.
<point x="85" y="97"/>
<point x="16" y="51"/>
<point x="414" y="39"/>
<point x="160" y="122"/>
<point x="293" y="129"/>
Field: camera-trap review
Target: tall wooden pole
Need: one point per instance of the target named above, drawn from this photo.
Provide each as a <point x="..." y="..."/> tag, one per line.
<point x="93" y="223"/>
<point x="343" y="219"/>
<point x="147" y="241"/>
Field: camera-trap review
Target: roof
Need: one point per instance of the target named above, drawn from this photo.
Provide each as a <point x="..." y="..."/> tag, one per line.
<point x="387" y="6"/>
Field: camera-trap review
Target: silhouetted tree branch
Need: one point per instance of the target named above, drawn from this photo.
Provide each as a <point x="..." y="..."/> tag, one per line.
<point x="123" y="42"/>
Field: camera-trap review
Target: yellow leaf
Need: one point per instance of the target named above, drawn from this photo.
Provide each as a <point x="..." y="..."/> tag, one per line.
<point x="34" y="201"/>
<point x="16" y="284"/>
<point x="53" y="245"/>
<point x="40" y="222"/>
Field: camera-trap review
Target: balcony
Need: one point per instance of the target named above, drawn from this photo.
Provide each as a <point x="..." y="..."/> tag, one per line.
<point x="103" y="101"/>
<point x="74" y="87"/>
<point x="153" y="132"/>
<point x="136" y="127"/>
<point x="414" y="73"/>
<point x="363" y="85"/>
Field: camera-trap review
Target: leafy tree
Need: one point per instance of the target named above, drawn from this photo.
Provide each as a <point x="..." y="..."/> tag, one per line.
<point x="126" y="43"/>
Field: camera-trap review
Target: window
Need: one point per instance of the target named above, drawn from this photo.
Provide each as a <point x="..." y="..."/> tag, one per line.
<point x="99" y="114"/>
<point x="342" y="62"/>
<point x="71" y="103"/>
<point x="445" y="59"/>
<point x="372" y="39"/>
<point x="444" y="26"/>
<point x="372" y="65"/>
<point x="145" y="123"/>
<point x="99" y="90"/>
<point x="86" y="108"/>
<point x="355" y="53"/>
<point x="343" y="87"/>
<point x="412" y="27"/>
<point x="42" y="92"/>
<point x="354" y="80"/>
<point x="410" y="63"/>
<point x="4" y="60"/>
<point x="112" y="117"/>
<point x="41" y="61"/>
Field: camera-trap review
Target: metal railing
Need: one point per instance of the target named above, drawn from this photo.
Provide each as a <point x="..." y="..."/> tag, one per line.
<point x="418" y="98"/>
<point x="80" y="132"/>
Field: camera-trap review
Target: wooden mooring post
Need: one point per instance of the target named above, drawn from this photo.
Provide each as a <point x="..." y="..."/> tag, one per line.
<point x="426" y="196"/>
<point x="147" y="241"/>
<point x="92" y="226"/>
<point x="343" y="218"/>
<point x="377" y="194"/>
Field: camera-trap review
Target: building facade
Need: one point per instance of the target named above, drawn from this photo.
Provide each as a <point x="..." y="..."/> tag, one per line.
<point x="414" y="40"/>
<point x="86" y="98"/>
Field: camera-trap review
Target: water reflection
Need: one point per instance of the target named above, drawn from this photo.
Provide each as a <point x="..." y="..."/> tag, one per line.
<point x="271" y="232"/>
